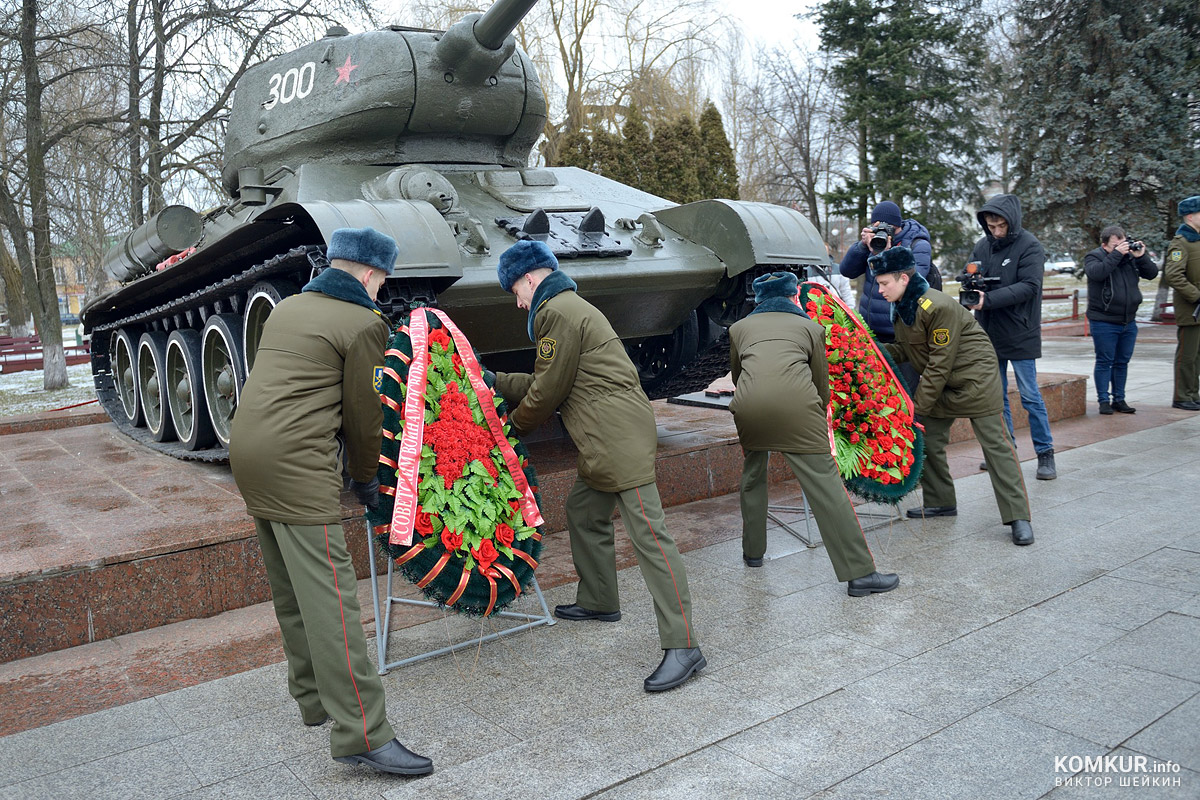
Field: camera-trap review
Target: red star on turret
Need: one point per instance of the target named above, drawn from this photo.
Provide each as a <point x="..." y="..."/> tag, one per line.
<point x="344" y="72"/>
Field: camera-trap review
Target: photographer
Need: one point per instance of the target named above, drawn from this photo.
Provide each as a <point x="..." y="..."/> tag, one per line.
<point x="1112" y="271"/>
<point x="888" y="230"/>
<point x="1011" y="314"/>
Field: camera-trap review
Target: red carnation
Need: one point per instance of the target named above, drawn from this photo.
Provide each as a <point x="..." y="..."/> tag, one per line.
<point x="451" y="540"/>
<point x="486" y="555"/>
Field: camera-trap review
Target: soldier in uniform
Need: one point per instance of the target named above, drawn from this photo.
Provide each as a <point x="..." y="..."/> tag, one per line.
<point x="313" y="378"/>
<point x="777" y="355"/>
<point x="1182" y="270"/>
<point x="960" y="377"/>
<point x="582" y="370"/>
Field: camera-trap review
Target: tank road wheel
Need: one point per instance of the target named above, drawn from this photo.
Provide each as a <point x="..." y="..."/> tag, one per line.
<point x="124" y="375"/>
<point x="260" y="302"/>
<point x="189" y="412"/>
<point x="223" y="370"/>
<point x="152" y="385"/>
<point x="660" y="358"/>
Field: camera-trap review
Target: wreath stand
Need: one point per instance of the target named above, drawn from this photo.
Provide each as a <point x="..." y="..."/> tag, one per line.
<point x="880" y="519"/>
<point x="383" y="616"/>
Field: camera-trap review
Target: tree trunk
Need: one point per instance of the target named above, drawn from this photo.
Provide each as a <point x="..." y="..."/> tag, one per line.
<point x="154" y="143"/>
<point x="137" y="211"/>
<point x="14" y="294"/>
<point x="45" y="301"/>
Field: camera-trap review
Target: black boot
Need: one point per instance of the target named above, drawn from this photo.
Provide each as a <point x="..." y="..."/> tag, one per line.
<point x="1106" y="409"/>
<point x="576" y="613"/>
<point x="1045" y="470"/>
<point x="1022" y="531"/>
<point x="677" y="666"/>
<point x="875" y="582"/>
<point x="1121" y="407"/>
<point x="392" y="757"/>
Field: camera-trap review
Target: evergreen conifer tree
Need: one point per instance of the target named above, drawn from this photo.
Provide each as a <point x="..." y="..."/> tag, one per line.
<point x="636" y="165"/>
<point x="910" y="74"/>
<point x="607" y="154"/>
<point x="676" y="148"/>
<point x="575" y="151"/>
<point x="1113" y="138"/>
<point x="718" y="171"/>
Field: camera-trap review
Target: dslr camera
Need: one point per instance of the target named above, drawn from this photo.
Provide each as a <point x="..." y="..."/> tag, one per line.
<point x="1135" y="245"/>
<point x="972" y="282"/>
<point x="880" y="232"/>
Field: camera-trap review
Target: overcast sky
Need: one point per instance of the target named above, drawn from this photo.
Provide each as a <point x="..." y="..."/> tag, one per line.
<point x="773" y="22"/>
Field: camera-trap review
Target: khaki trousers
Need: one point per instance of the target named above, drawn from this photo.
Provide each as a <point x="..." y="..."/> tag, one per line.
<point x="1003" y="466"/>
<point x="1187" y="364"/>
<point x="826" y="496"/>
<point x="316" y="602"/>
<point x="589" y="521"/>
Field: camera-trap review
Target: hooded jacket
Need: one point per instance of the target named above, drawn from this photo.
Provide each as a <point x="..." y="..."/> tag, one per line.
<point x="1113" y="293"/>
<point x="874" y="309"/>
<point x="1012" y="312"/>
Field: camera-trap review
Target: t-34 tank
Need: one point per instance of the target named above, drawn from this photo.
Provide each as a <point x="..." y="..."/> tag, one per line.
<point x="426" y="136"/>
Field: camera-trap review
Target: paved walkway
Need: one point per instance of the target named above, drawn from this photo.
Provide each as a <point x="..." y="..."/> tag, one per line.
<point x="993" y="671"/>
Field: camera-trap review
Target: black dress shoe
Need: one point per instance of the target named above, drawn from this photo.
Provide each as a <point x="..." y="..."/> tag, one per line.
<point x="1121" y="407"/>
<point x="983" y="466"/>
<point x="1186" y="405"/>
<point x="932" y="511"/>
<point x="677" y="666"/>
<point x="321" y="721"/>
<point x="1106" y="409"/>
<point x="752" y="562"/>
<point x="1022" y="531"/>
<point x="870" y="584"/>
<point x="576" y="613"/>
<point x="392" y="757"/>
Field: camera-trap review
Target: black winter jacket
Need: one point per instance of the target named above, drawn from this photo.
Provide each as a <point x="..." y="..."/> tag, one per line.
<point x="1011" y="313"/>
<point x="1113" y="293"/>
<point x="874" y="309"/>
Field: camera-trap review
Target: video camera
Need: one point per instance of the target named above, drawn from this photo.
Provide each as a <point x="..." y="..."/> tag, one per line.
<point x="880" y="232"/>
<point x="972" y="282"/>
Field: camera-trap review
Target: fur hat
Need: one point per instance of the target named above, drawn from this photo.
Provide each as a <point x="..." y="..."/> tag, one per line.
<point x="523" y="257"/>
<point x="776" y="284"/>
<point x="365" y="246"/>
<point x="1189" y="206"/>
<point x="894" y="259"/>
<point x="888" y="212"/>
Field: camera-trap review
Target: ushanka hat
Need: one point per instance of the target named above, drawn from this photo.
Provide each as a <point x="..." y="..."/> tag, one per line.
<point x="776" y="284"/>
<point x="366" y="246"/>
<point x="523" y="257"/>
<point x="894" y="259"/>
<point x="1189" y="205"/>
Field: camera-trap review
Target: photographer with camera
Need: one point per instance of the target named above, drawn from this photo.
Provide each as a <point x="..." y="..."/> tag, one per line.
<point x="887" y="229"/>
<point x="959" y="379"/>
<point x="1112" y="271"/>
<point x="1010" y="311"/>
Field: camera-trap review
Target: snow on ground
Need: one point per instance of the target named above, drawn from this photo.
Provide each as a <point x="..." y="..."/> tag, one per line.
<point x="22" y="392"/>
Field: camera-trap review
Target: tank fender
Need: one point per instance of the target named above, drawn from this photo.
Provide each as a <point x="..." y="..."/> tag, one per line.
<point x="744" y="234"/>
<point x="427" y="245"/>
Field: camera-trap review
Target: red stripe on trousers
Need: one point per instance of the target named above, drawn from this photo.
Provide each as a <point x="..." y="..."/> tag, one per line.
<point x="346" y="638"/>
<point x="686" y="625"/>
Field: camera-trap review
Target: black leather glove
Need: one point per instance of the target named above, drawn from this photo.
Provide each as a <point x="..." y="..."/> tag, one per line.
<point x="367" y="493"/>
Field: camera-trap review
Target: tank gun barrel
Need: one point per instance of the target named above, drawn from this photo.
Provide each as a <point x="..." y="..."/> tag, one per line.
<point x="500" y="20"/>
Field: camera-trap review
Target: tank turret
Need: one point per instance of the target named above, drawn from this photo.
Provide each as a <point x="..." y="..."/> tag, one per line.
<point x="425" y="136"/>
<point x="390" y="97"/>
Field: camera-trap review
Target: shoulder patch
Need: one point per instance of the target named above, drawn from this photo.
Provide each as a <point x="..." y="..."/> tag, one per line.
<point x="926" y="303"/>
<point x="1175" y="255"/>
<point x="546" y="348"/>
<point x="378" y="379"/>
<point x="941" y="337"/>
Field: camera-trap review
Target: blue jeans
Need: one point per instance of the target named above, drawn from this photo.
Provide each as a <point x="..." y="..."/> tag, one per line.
<point x="1031" y="400"/>
<point x="1114" y="347"/>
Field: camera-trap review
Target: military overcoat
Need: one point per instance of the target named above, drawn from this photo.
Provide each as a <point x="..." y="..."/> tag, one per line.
<point x="583" y="371"/>
<point x="313" y="377"/>
<point x="960" y="375"/>
<point x="782" y="378"/>
<point x="1181" y="268"/>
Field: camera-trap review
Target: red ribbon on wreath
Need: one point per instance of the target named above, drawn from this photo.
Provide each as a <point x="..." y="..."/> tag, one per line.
<point x="400" y="531"/>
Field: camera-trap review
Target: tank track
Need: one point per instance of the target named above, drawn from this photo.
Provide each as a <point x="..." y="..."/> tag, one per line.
<point x="223" y="292"/>
<point x="696" y="376"/>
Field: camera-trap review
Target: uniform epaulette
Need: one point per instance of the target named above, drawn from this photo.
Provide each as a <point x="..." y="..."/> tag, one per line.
<point x="926" y="303"/>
